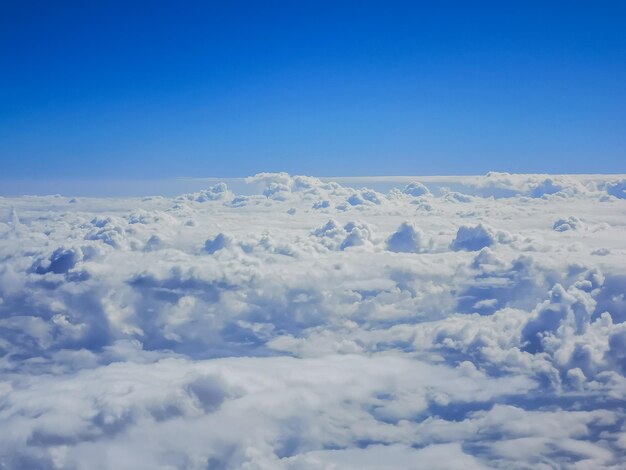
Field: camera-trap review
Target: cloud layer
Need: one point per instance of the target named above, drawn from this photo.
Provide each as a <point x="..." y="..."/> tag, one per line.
<point x="315" y="325"/>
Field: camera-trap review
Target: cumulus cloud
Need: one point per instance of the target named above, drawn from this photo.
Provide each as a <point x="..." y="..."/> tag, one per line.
<point x="407" y="239"/>
<point x="416" y="189"/>
<point x="617" y="189"/>
<point x="218" y="192"/>
<point x="215" y="244"/>
<point x="564" y="225"/>
<point x="472" y="238"/>
<point x="276" y="330"/>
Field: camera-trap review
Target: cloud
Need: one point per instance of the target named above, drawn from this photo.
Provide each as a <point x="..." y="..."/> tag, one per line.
<point x="406" y="239"/>
<point x="472" y="238"/>
<point x="416" y="189"/>
<point x="474" y="322"/>
<point x="617" y="189"/>
<point x="218" y="192"/>
<point x="564" y="225"/>
<point x="215" y="244"/>
<point x="357" y="234"/>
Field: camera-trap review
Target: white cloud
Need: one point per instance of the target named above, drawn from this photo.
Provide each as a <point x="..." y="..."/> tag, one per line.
<point x="571" y="223"/>
<point x="472" y="238"/>
<point x="406" y="239"/>
<point x="294" y="329"/>
<point x="416" y="189"/>
<point x="214" y="244"/>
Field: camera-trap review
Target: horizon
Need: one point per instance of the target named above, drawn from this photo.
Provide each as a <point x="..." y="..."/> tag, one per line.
<point x="171" y="187"/>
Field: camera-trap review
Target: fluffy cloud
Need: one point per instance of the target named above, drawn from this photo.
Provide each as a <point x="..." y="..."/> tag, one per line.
<point x="416" y="189"/>
<point x="472" y="238"/>
<point x="617" y="189"/>
<point x="218" y="192"/>
<point x="215" y="244"/>
<point x="407" y="239"/>
<point x="564" y="225"/>
<point x="276" y="330"/>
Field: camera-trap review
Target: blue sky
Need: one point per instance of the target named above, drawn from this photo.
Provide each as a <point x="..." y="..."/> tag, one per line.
<point x="134" y="90"/>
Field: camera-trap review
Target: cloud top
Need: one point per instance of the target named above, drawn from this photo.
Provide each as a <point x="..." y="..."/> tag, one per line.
<point x="478" y="322"/>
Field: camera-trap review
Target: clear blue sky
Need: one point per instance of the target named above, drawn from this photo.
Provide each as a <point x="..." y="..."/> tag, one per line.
<point x="106" y="89"/>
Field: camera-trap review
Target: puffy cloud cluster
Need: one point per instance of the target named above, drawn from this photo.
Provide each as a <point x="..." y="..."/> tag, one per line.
<point x="472" y="238"/>
<point x="282" y="186"/>
<point x="352" y="234"/>
<point x="313" y="325"/>
<point x="218" y="192"/>
<point x="407" y="239"/>
<point x="571" y="223"/>
<point x="617" y="189"/>
<point x="534" y="186"/>
<point x="416" y="189"/>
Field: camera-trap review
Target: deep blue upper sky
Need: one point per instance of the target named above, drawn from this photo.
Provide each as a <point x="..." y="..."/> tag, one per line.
<point x="161" y="89"/>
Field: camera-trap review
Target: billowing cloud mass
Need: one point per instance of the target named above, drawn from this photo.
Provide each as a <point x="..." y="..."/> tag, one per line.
<point x="407" y="238"/>
<point x="469" y="322"/>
